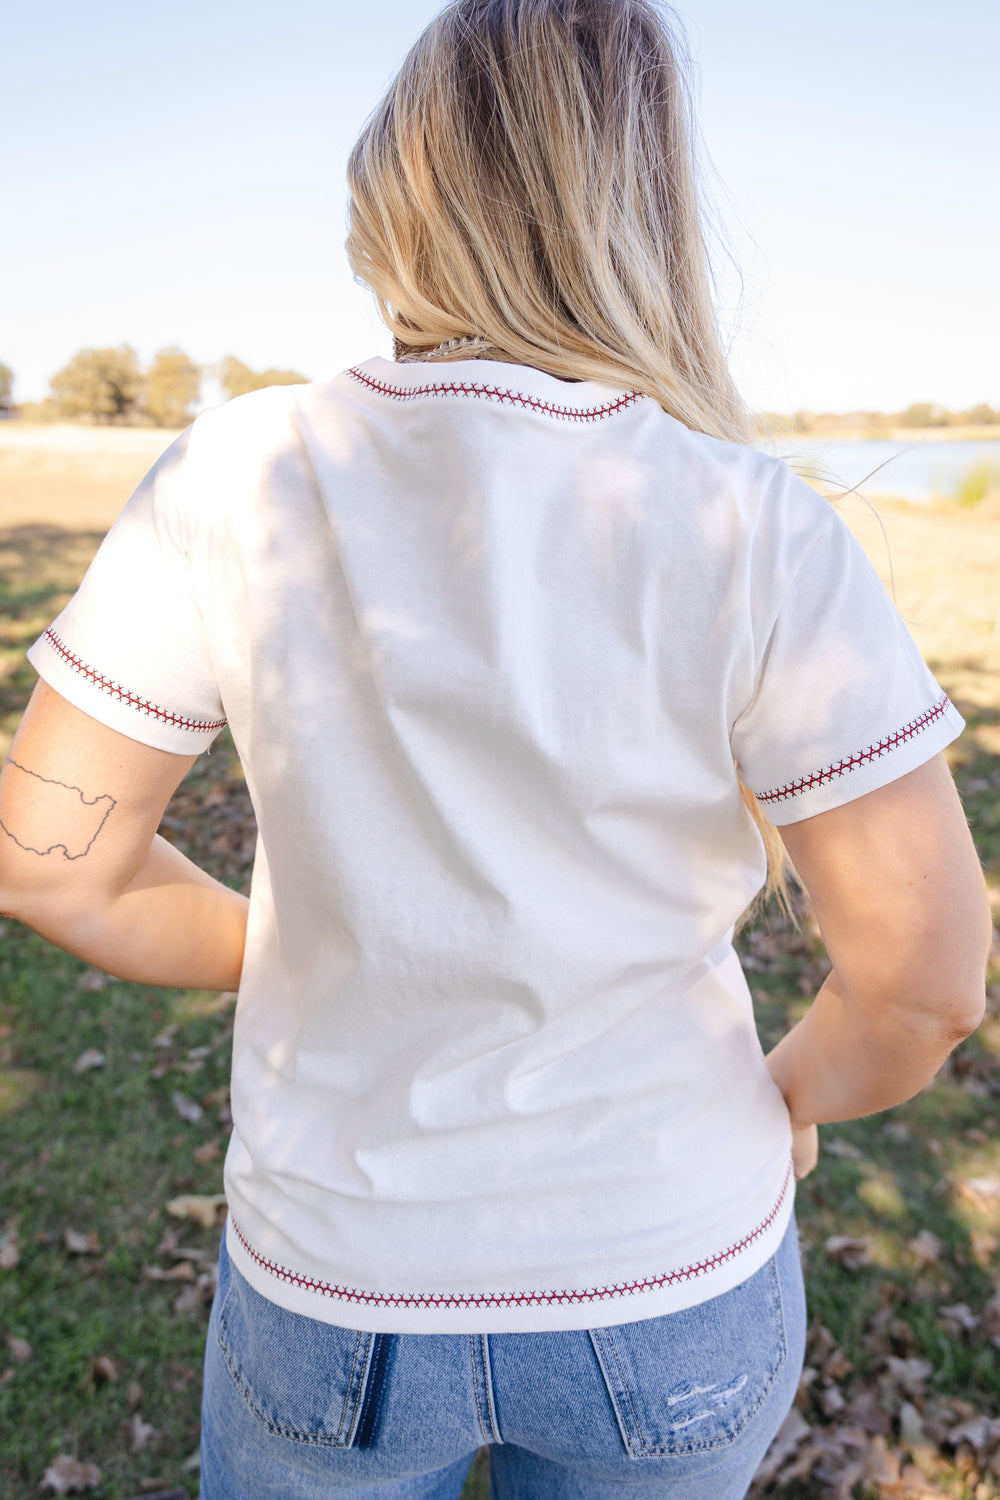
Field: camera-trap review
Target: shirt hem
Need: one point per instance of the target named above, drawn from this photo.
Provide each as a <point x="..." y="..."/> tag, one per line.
<point x="506" y="1311"/>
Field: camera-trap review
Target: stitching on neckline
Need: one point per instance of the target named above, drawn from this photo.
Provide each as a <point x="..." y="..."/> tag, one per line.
<point x="501" y="395"/>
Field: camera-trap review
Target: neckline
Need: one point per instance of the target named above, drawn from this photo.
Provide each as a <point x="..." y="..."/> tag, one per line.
<point x="528" y="379"/>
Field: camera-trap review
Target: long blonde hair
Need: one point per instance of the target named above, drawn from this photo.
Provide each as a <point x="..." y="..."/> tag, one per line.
<point x="529" y="178"/>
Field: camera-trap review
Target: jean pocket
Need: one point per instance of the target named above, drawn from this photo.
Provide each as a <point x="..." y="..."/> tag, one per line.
<point x="308" y="1381"/>
<point x="691" y="1381"/>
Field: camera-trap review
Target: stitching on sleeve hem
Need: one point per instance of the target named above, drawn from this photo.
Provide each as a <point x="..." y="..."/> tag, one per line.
<point x="124" y="695"/>
<point x="862" y="758"/>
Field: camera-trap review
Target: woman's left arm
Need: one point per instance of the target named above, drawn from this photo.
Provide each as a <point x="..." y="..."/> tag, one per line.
<point x="82" y="864"/>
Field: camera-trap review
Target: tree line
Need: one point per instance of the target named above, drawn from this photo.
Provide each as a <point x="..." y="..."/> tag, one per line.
<point x="920" y="414"/>
<point x="110" y="386"/>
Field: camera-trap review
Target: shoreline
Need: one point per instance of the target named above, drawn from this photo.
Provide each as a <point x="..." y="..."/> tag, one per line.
<point x="981" y="434"/>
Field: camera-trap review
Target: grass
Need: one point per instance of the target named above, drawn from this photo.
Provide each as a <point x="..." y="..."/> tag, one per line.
<point x="978" y="481"/>
<point x="94" y="1352"/>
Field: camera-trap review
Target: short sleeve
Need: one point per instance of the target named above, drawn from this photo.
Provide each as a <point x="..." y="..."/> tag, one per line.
<point x="130" y="648"/>
<point x="843" y="702"/>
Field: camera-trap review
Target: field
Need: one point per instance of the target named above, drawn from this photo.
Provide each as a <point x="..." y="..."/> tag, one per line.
<point x="114" y="1112"/>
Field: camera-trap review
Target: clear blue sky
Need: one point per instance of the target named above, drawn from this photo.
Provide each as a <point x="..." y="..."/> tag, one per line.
<point x="174" y="174"/>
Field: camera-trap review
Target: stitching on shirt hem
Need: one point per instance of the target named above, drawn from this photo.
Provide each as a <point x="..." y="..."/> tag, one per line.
<point x="471" y="388"/>
<point x="124" y="696"/>
<point x="448" y="1300"/>
<point x="862" y="758"/>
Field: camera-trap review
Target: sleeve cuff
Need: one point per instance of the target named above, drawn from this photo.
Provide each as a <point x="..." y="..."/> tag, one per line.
<point x="120" y="706"/>
<point x="867" y="769"/>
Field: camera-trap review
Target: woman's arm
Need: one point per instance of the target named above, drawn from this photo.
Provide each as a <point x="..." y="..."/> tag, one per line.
<point x="81" y="862"/>
<point x="901" y="902"/>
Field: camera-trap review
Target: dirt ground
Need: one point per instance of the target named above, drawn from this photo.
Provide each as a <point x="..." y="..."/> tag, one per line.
<point x="77" y="478"/>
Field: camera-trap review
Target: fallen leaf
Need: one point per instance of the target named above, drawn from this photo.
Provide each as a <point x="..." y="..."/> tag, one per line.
<point x="93" y="980"/>
<point x="984" y="1247"/>
<point x="881" y="1466"/>
<point x="183" y="1271"/>
<point x="208" y="1151"/>
<point x="82" y="1244"/>
<point x="792" y="1432"/>
<point x="981" y="1192"/>
<point x="911" y="1425"/>
<point x="187" y="1108"/>
<point x="10" y="1246"/>
<point x="201" y="1207"/>
<point x="832" y="1401"/>
<point x="836" y="1366"/>
<point x="20" y="1349"/>
<point x="134" y="1394"/>
<point x="926" y="1247"/>
<point x="68" y="1476"/>
<point x="103" y="1369"/>
<point x="850" y="1253"/>
<point x="845" y="1149"/>
<point x="140" y="1432"/>
<point x="866" y="1412"/>
<point x="991" y="1318"/>
<point x="911" y="1375"/>
<point x="88" y="1059"/>
<point x="959" y="1316"/>
<point x="979" y="1432"/>
<point x="188" y="1299"/>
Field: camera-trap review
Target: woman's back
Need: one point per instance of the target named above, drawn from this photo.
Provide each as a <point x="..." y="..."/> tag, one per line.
<point x="488" y="643"/>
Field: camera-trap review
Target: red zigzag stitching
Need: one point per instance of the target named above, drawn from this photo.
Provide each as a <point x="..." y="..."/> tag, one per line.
<point x="843" y="767"/>
<point x="496" y="393"/>
<point x="131" y="700"/>
<point x="511" y="1299"/>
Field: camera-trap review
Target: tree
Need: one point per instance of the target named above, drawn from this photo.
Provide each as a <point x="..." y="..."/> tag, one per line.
<point x="924" y="414"/>
<point x="981" y="415"/>
<point x="6" y="382"/>
<point x="102" y="384"/>
<point x="237" y="379"/>
<point x="172" y="385"/>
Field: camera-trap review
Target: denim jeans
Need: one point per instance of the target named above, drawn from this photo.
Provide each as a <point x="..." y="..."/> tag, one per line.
<point x="683" y="1405"/>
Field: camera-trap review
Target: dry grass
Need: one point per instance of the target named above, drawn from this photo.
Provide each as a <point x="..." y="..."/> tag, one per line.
<point x="73" y="477"/>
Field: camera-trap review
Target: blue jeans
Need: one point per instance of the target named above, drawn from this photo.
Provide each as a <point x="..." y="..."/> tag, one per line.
<point x="683" y="1405"/>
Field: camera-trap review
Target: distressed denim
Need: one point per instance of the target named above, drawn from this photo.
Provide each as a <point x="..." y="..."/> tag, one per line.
<point x="683" y="1405"/>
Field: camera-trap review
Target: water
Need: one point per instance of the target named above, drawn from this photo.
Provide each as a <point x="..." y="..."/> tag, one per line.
<point x="919" y="469"/>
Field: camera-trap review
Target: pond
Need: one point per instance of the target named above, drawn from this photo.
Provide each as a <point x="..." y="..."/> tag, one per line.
<point x="920" y="469"/>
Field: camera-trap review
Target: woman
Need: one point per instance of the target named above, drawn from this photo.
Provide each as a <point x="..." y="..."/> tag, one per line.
<point x="526" y="653"/>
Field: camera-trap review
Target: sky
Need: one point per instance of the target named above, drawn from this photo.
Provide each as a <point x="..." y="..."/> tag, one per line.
<point x="175" y="175"/>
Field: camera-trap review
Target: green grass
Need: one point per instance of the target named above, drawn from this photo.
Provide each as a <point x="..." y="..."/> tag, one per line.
<point x="104" y="1150"/>
<point x="978" y="481"/>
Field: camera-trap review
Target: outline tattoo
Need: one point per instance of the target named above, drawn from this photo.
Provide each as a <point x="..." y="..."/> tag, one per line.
<point x="75" y="809"/>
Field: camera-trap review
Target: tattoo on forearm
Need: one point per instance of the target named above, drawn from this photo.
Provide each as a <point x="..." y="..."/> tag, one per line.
<point x="79" y="819"/>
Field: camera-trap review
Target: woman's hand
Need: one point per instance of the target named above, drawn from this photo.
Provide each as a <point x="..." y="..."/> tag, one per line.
<point x="805" y="1150"/>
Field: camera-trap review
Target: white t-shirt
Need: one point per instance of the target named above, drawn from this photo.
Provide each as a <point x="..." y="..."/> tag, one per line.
<point x="488" y="643"/>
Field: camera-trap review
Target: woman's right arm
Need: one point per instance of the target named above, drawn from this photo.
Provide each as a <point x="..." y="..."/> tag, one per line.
<point x="901" y="902"/>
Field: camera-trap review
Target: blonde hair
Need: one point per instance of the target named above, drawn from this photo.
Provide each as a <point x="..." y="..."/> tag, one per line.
<point x="529" y="178"/>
